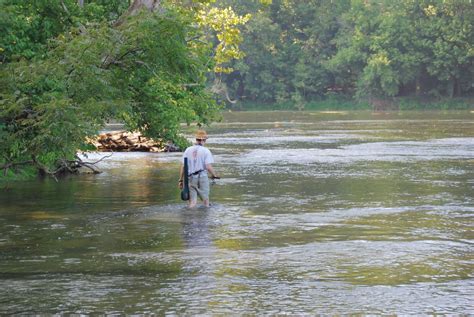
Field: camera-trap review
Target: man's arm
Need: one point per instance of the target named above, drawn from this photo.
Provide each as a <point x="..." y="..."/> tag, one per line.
<point x="210" y="169"/>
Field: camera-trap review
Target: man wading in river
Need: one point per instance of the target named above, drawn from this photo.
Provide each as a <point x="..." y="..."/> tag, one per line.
<point x="199" y="165"/>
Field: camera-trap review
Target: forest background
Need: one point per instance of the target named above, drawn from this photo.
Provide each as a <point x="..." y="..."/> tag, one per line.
<point x="68" y="67"/>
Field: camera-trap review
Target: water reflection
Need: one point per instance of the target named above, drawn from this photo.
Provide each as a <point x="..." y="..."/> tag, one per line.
<point x="196" y="233"/>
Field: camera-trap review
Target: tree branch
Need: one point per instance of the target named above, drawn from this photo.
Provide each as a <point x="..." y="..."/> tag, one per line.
<point x="108" y="60"/>
<point x="102" y="158"/>
<point x="9" y="165"/>
<point x="147" y="66"/>
<point x="137" y="6"/>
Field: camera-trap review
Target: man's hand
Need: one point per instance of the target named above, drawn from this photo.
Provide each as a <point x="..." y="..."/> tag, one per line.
<point x="180" y="184"/>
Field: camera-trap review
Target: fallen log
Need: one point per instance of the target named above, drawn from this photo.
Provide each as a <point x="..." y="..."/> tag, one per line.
<point x="123" y="141"/>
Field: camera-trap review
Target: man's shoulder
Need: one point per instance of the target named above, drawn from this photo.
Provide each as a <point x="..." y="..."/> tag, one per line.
<point x="189" y="148"/>
<point x="207" y="150"/>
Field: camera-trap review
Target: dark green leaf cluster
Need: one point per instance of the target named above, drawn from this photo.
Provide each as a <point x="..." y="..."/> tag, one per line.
<point x="26" y="27"/>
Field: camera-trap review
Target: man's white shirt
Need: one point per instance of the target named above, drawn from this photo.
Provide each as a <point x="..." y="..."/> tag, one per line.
<point x="198" y="157"/>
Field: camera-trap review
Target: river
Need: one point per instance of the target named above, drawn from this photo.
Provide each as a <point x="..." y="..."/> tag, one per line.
<point x="316" y="213"/>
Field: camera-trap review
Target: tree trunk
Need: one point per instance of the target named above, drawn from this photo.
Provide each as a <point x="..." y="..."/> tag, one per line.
<point x="417" y="86"/>
<point x="454" y="87"/>
<point x="136" y="6"/>
<point x="80" y="3"/>
<point x="457" y="88"/>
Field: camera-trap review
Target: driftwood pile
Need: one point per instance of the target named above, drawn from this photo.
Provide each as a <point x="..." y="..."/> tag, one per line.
<point x="122" y="141"/>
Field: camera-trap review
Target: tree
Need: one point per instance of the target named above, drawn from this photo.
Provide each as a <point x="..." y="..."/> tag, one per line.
<point x="407" y="47"/>
<point x="450" y="28"/>
<point x="148" y="69"/>
<point x="287" y="44"/>
<point x="303" y="51"/>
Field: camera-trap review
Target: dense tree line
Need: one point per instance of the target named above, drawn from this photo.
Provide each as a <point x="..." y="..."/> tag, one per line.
<point x="301" y="51"/>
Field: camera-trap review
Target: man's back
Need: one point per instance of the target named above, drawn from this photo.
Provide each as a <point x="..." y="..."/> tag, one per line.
<point x="198" y="157"/>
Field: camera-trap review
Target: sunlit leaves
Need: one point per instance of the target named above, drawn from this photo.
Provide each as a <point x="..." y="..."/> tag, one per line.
<point x="224" y="22"/>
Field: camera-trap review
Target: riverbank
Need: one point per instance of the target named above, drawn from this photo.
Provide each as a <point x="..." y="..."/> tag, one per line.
<point x="349" y="104"/>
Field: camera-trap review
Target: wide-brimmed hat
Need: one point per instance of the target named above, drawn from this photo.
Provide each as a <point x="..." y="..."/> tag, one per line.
<point x="201" y="135"/>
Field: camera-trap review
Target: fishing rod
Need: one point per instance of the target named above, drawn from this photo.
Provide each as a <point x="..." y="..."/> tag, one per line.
<point x="185" y="190"/>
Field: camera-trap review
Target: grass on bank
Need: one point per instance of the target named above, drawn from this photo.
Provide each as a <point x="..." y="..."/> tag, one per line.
<point x="337" y="103"/>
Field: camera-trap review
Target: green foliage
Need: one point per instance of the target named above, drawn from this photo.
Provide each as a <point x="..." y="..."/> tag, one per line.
<point x="287" y="45"/>
<point x="224" y="23"/>
<point x="26" y="27"/>
<point x="407" y="47"/>
<point x="144" y="71"/>
<point x="297" y="52"/>
<point x="165" y="79"/>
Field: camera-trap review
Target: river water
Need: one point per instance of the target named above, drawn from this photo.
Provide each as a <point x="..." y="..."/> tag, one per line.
<point x="316" y="213"/>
